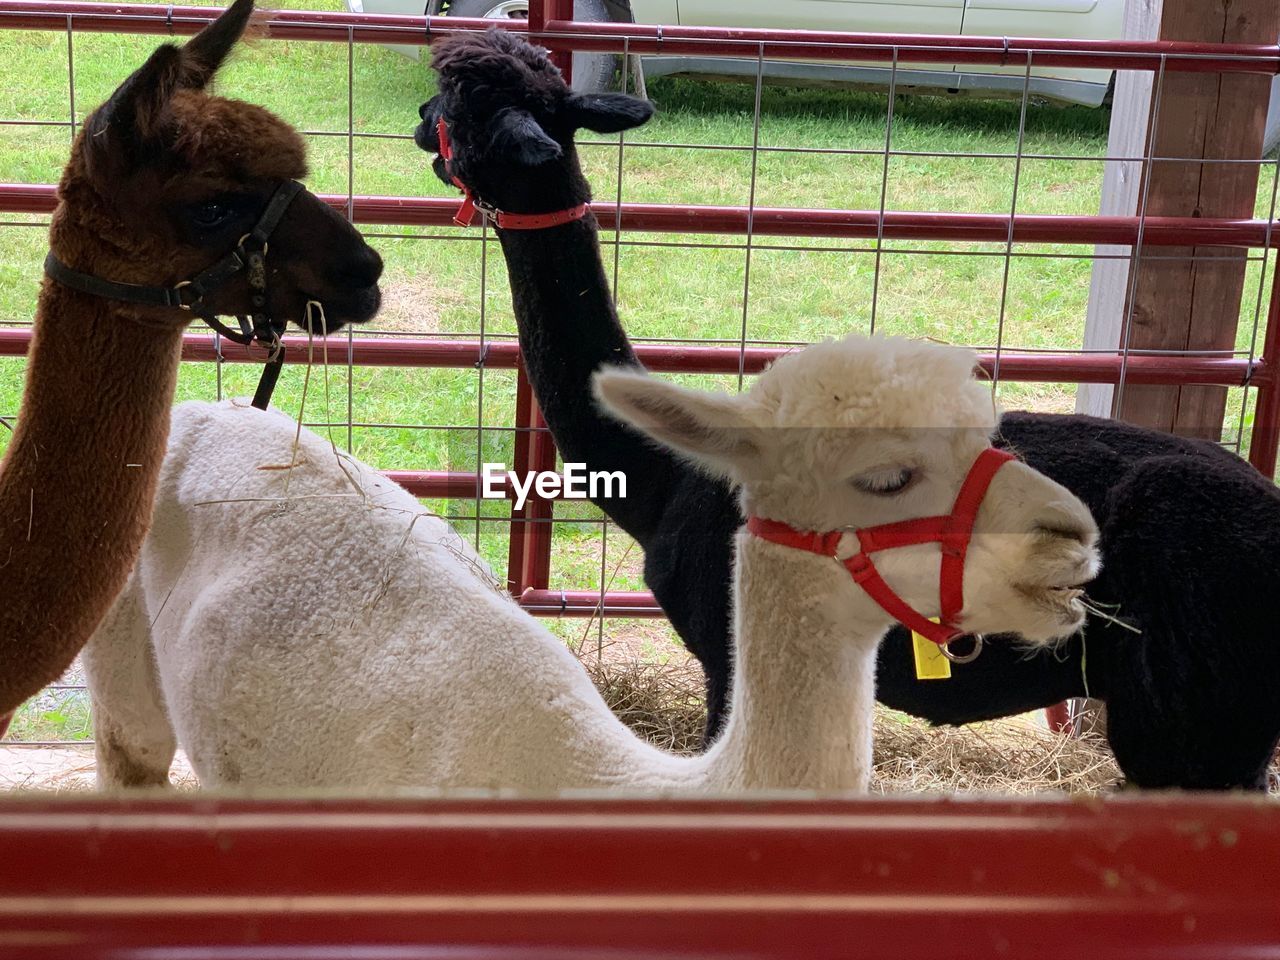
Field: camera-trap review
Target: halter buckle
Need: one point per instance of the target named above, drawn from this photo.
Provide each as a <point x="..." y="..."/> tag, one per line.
<point x="486" y="210"/>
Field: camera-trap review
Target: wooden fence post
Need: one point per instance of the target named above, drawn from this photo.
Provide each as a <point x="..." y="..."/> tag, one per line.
<point x="1181" y="303"/>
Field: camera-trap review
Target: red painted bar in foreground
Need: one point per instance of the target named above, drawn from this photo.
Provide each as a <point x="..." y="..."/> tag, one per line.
<point x="199" y="878"/>
<point x="797" y="221"/>
<point x="561" y="34"/>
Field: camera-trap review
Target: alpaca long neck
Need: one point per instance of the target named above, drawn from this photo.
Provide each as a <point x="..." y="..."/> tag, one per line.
<point x="568" y="330"/>
<point x="77" y="480"/>
<point x="804" y="676"/>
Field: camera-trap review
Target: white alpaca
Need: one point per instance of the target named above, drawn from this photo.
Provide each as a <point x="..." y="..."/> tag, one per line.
<point x="336" y="635"/>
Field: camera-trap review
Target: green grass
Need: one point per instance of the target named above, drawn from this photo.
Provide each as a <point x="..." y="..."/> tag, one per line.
<point x="53" y="716"/>
<point x="947" y="291"/>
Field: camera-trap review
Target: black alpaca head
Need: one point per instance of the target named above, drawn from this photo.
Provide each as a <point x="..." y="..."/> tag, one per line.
<point x="510" y="111"/>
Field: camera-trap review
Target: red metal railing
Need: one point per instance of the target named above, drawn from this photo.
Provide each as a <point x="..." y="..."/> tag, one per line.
<point x="796" y="222"/>
<point x="92" y="879"/>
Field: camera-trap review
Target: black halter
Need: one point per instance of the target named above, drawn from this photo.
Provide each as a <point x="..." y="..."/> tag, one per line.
<point x="250" y="254"/>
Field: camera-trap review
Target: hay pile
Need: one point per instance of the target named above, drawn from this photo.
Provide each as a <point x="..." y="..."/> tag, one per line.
<point x="1014" y="756"/>
<point x="663" y="703"/>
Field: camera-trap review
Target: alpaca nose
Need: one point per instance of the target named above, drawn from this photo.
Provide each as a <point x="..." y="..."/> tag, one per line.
<point x="1066" y="531"/>
<point x="362" y="269"/>
<point x="1064" y="518"/>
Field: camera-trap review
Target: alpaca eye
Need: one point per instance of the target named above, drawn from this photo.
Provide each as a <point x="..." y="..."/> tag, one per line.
<point x="211" y="214"/>
<point x="886" y="482"/>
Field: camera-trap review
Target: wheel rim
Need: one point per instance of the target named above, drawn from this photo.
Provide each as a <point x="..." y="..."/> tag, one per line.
<point x="509" y="10"/>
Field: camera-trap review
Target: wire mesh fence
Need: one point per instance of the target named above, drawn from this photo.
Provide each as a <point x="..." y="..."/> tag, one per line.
<point x="743" y="221"/>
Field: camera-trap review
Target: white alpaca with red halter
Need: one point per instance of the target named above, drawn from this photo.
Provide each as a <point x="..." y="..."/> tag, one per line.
<point x="427" y="676"/>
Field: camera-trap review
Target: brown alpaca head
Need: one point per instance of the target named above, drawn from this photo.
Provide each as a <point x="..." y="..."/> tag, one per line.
<point x="510" y="112"/>
<point x="165" y="178"/>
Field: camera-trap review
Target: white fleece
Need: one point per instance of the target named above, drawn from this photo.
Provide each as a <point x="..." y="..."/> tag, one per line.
<point x="336" y="634"/>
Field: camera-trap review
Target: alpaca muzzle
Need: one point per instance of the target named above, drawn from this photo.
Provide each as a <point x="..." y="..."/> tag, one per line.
<point x="952" y="531"/>
<point x="249" y="256"/>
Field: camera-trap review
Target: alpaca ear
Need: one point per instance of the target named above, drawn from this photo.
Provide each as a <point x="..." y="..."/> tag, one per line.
<point x="205" y="52"/>
<point x="607" y="112"/>
<point x="712" y="429"/>
<point x="118" y="132"/>
<point x="516" y="134"/>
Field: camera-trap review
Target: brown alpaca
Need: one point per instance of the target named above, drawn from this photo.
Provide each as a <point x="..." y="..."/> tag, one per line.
<point x="164" y="181"/>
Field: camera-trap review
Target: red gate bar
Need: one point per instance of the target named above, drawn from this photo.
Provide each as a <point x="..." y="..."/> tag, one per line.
<point x="538" y="511"/>
<point x="529" y="549"/>
<point x="1191" y="878"/>
<point x="377" y="351"/>
<point x="562" y="10"/>
<point x="518" y="574"/>
<point x="538" y="15"/>
<point x="1058" y="717"/>
<point x="585" y="604"/>
<point x="443" y="485"/>
<point x="800" y="222"/>
<point x="560" y="34"/>
<point x="640" y="38"/>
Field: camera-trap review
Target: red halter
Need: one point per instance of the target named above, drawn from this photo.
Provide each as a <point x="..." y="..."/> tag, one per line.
<point x="952" y="531"/>
<point x="499" y="218"/>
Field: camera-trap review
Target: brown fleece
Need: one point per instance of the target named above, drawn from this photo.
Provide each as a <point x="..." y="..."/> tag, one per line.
<point x="79" y="477"/>
<point x="77" y="482"/>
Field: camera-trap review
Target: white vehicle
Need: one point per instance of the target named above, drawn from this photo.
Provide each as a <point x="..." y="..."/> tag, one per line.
<point x="1075" y="19"/>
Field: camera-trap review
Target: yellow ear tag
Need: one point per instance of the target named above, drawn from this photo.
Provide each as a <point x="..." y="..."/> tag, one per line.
<point x="930" y="663"/>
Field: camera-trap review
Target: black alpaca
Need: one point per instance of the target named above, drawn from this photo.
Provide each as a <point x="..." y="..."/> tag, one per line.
<point x="1190" y="532"/>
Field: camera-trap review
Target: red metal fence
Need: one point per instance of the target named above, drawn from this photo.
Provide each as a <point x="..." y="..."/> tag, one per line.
<point x="545" y="880"/>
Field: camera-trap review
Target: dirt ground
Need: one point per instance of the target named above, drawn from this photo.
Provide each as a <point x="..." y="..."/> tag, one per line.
<point x="62" y="768"/>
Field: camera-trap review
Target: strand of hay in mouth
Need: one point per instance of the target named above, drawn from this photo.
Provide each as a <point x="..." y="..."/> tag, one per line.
<point x="664" y="704"/>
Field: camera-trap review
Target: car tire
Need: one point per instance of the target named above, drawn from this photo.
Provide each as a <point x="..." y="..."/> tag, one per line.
<point x="592" y="72"/>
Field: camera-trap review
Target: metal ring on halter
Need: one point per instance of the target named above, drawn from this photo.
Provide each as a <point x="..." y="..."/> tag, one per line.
<point x="275" y="347"/>
<point x="178" y="286"/>
<point x="969" y="657"/>
<point x="240" y="244"/>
